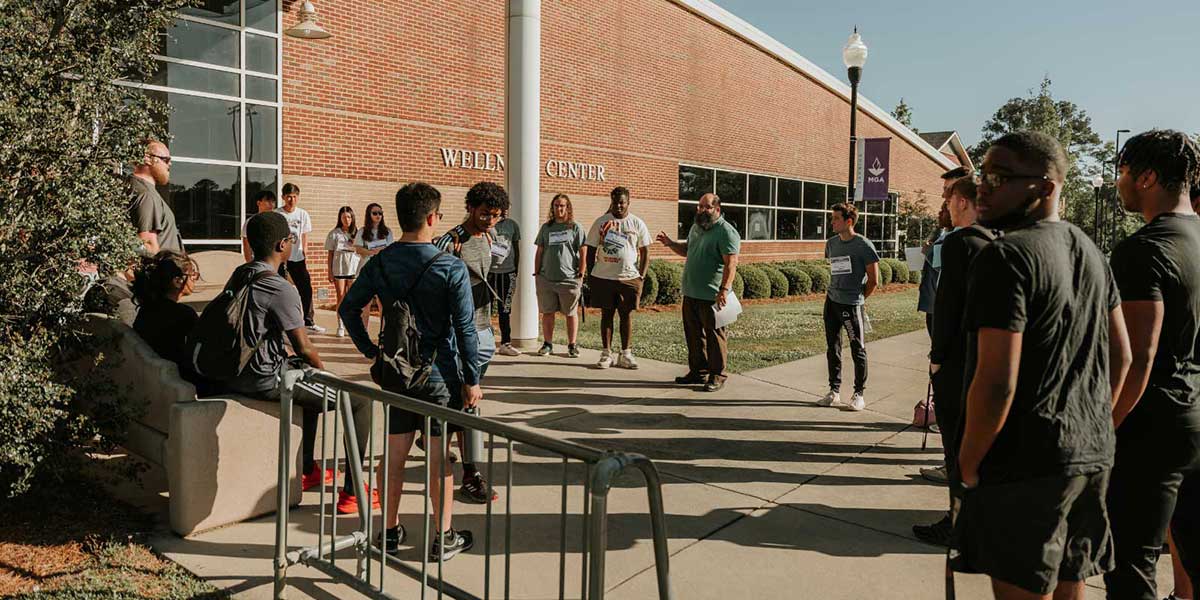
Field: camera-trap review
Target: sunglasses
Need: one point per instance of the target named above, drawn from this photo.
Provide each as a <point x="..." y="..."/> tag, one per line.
<point x="376" y="213"/>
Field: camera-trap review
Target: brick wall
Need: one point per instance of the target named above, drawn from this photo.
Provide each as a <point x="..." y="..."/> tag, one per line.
<point x="635" y="85"/>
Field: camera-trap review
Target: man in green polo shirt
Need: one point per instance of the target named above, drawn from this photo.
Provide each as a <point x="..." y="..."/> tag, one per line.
<point x="711" y="251"/>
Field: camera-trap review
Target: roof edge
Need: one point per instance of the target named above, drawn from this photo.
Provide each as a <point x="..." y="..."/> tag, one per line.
<point x="749" y="33"/>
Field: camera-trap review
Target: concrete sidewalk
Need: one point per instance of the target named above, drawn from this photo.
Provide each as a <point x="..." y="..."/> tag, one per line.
<point x="768" y="495"/>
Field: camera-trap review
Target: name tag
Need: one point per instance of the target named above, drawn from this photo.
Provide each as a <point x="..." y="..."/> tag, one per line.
<point x="614" y="238"/>
<point x="840" y="265"/>
<point x="373" y="244"/>
<point x="559" y="237"/>
<point x="500" y="249"/>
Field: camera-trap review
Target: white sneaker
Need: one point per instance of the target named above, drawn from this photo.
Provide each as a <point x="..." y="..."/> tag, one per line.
<point x="508" y="350"/>
<point x="833" y="397"/>
<point x="626" y="360"/>
<point x="857" y="402"/>
<point x="605" y="360"/>
<point x="316" y="328"/>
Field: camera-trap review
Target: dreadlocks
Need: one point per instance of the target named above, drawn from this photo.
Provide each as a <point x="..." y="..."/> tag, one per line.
<point x="1172" y="155"/>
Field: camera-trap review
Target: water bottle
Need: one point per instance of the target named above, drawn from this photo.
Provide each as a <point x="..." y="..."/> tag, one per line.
<point x="473" y="452"/>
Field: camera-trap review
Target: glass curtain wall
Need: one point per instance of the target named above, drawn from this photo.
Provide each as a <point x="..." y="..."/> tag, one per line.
<point x="219" y="67"/>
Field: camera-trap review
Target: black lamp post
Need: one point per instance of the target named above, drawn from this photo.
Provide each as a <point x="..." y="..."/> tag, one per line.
<point x="1097" y="184"/>
<point x="854" y="56"/>
<point x="1116" y="201"/>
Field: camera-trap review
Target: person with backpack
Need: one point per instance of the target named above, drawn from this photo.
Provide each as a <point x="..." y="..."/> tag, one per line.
<point x="428" y="346"/>
<point x="472" y="242"/>
<point x="241" y="343"/>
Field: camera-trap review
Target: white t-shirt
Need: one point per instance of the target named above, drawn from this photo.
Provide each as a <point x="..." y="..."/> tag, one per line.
<point x="345" y="259"/>
<point x="374" y="244"/>
<point x="300" y="223"/>
<point x="617" y="242"/>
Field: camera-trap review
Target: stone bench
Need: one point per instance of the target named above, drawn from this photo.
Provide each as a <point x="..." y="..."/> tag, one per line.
<point x="220" y="453"/>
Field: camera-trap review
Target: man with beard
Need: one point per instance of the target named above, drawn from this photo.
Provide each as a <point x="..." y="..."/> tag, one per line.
<point x="621" y="244"/>
<point x="949" y="343"/>
<point x="711" y="251"/>
<point x="1157" y="415"/>
<point x="1051" y="355"/>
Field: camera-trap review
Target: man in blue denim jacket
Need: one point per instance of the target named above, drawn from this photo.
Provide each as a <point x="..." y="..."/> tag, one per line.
<point x="441" y="300"/>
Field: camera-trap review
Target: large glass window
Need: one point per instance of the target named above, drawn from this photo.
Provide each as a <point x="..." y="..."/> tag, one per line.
<point x="762" y="207"/>
<point x="224" y="118"/>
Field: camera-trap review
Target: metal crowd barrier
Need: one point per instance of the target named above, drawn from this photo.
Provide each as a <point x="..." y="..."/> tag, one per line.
<point x="370" y="561"/>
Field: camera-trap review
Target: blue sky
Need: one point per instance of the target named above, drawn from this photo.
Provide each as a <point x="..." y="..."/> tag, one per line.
<point x="1130" y="65"/>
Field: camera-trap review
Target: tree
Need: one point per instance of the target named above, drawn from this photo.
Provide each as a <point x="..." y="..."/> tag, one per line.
<point x="66" y="128"/>
<point x="917" y="219"/>
<point x="903" y="113"/>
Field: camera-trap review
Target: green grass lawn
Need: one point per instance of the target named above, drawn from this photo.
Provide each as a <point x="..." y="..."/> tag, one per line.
<point x="764" y="335"/>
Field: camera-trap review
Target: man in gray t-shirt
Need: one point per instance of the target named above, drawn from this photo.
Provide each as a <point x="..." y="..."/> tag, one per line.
<point x="151" y="216"/>
<point x="506" y="240"/>
<point x="854" y="270"/>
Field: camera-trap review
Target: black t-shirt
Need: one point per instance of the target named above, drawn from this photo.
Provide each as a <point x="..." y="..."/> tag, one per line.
<point x="1050" y="283"/>
<point x="165" y="326"/>
<point x="1161" y="262"/>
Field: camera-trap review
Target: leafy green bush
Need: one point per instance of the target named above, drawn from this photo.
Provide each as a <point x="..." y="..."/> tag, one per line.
<point x="670" y="281"/>
<point x="64" y="125"/>
<point x="739" y="284"/>
<point x="820" y="276"/>
<point x="914" y="277"/>
<point x="885" y="273"/>
<point x="779" y="282"/>
<point x="799" y="282"/>
<point x="649" y="288"/>
<point x="899" y="270"/>
<point x="758" y="284"/>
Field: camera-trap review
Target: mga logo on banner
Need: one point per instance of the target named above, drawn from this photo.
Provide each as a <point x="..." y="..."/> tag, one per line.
<point x="873" y="169"/>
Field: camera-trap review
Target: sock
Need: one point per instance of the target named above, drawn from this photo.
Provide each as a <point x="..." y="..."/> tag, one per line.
<point x="469" y="470"/>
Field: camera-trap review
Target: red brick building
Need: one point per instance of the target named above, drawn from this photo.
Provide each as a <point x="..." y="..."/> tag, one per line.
<point x="669" y="98"/>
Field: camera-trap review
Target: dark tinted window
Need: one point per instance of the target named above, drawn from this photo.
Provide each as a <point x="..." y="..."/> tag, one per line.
<point x="815" y="225"/>
<point x="200" y="42"/>
<point x="694" y="182"/>
<point x="258" y="180"/>
<point x="760" y="190"/>
<point x="736" y="215"/>
<point x="261" y="143"/>
<point x="225" y="11"/>
<point x="195" y="78"/>
<point x="788" y="225"/>
<point x="814" y="195"/>
<point x="835" y="194"/>
<point x="260" y="53"/>
<point x="731" y="187"/>
<point x="788" y="193"/>
<point x="262" y="14"/>
<point x="205" y="200"/>
<point x="202" y="127"/>
<point x="687" y="216"/>
<point x="261" y="88"/>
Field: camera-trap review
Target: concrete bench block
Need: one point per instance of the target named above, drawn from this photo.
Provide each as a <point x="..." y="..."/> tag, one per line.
<point x="221" y="461"/>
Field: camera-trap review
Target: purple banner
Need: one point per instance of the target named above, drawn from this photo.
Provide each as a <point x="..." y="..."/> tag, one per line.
<point x="876" y="167"/>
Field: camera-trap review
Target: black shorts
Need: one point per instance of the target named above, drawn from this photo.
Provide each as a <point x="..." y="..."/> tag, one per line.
<point x="1035" y="533"/>
<point x="442" y="394"/>
<point x="615" y="294"/>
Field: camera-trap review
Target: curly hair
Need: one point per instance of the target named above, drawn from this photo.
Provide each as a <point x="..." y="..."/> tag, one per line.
<point x="1171" y="155"/>
<point x="155" y="276"/>
<point x="489" y="194"/>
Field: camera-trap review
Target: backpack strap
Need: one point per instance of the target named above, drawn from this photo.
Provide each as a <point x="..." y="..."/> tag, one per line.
<point x="424" y="269"/>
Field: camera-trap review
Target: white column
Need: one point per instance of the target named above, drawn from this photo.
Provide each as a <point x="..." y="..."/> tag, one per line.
<point x="523" y="152"/>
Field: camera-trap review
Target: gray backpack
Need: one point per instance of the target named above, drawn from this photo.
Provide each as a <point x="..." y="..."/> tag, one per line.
<point x="399" y="366"/>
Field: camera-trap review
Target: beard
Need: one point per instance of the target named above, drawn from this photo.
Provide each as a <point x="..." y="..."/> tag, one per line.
<point x="704" y="220"/>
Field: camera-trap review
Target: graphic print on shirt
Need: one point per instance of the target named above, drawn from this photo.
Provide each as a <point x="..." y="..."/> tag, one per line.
<point x="840" y="265"/>
<point x="558" y="238"/>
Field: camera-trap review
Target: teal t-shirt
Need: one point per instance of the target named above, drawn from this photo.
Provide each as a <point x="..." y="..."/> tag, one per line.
<point x="705" y="258"/>
<point x="560" y="243"/>
<point x="848" y="262"/>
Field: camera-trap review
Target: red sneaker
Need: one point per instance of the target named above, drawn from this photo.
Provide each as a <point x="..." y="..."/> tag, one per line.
<point x="347" y="504"/>
<point x="312" y="478"/>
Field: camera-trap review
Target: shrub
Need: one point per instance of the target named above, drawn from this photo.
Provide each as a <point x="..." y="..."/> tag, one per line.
<point x="885" y="273"/>
<point x="670" y="281"/>
<point x="899" y="270"/>
<point x="779" y="282"/>
<point x="914" y="277"/>
<point x="758" y="284"/>
<point x="649" y="287"/>
<point x="820" y="276"/>
<point x="799" y="282"/>
<point x="61" y="207"/>
<point x="739" y="284"/>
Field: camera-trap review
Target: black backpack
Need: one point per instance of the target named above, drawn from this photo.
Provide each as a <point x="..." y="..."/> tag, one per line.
<point x="398" y="366"/>
<point x="217" y="345"/>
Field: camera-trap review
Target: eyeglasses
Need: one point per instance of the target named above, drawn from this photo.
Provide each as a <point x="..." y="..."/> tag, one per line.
<point x="996" y="180"/>
<point x="439" y="214"/>
<point x="165" y="159"/>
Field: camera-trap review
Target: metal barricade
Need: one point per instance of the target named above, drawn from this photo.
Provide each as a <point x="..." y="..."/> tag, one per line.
<point x="370" y="561"/>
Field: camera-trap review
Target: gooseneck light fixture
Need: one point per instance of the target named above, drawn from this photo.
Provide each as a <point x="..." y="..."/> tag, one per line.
<point x="308" y="28"/>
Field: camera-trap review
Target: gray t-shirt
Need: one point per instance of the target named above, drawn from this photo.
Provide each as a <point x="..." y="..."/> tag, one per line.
<point x="506" y="234"/>
<point x="274" y="310"/>
<point x="560" y="244"/>
<point x="476" y="253"/>
<point x="149" y="213"/>
<point x="848" y="262"/>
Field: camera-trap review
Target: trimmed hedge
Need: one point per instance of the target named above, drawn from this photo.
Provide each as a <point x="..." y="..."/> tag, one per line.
<point x="649" y="288"/>
<point x="885" y="273"/>
<point x="739" y="284"/>
<point x="758" y="284"/>
<point x="670" y="281"/>
<point x="820" y="276"/>
<point x="899" y="270"/>
<point x="779" y="281"/>
<point x="914" y="277"/>
<point x="799" y="282"/>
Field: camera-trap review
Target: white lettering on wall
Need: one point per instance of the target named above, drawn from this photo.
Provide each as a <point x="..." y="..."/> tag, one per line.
<point x="565" y="169"/>
<point x="462" y="158"/>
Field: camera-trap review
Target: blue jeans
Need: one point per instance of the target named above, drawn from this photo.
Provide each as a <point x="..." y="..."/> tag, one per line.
<point x="487" y="349"/>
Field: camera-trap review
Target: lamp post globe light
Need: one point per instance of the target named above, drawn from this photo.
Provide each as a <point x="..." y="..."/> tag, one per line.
<point x="1097" y="184"/>
<point x="854" y="56"/>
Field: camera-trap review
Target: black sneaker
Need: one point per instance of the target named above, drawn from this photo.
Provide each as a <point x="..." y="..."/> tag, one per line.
<point x="476" y="490"/>
<point x="456" y="542"/>
<point x="546" y="349"/>
<point x="391" y="539"/>
<point x="690" y="378"/>
<point x="714" y="384"/>
<point x="573" y="350"/>
<point x="937" y="534"/>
